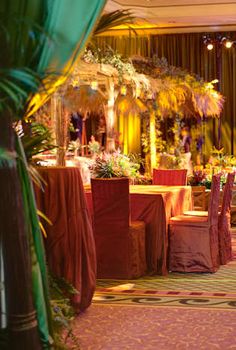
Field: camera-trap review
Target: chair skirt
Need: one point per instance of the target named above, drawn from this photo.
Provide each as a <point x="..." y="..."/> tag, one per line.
<point x="225" y="244"/>
<point x="124" y="256"/>
<point x="193" y="248"/>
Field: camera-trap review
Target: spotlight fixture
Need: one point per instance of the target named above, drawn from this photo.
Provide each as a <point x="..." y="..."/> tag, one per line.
<point x="217" y="41"/>
<point x="228" y="44"/>
<point x="208" y="42"/>
<point x="210" y="46"/>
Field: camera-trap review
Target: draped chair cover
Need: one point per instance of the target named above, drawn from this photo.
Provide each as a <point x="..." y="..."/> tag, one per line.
<point x="194" y="239"/>
<point x="120" y="245"/>
<point x="171" y="177"/>
<point x="225" y="245"/>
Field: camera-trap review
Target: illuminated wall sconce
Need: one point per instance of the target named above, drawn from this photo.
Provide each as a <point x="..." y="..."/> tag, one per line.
<point x="94" y="85"/>
<point x="123" y="90"/>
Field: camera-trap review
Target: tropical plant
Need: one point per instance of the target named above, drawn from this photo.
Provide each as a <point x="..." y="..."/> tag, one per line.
<point x="62" y="312"/>
<point x="113" y="19"/>
<point x="115" y="164"/>
<point x="30" y="39"/>
<point x="37" y="138"/>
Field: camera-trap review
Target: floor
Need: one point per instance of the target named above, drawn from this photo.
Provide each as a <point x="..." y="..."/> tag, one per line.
<point x="179" y="311"/>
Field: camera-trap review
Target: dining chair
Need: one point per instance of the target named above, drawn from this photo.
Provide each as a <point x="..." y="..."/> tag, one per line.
<point x="194" y="243"/>
<point x="171" y="177"/>
<point x="120" y="244"/>
<point x="233" y="207"/>
<point x="199" y="197"/>
<point x="224" y="226"/>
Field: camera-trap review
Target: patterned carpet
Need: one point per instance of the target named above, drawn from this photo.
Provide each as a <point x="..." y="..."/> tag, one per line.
<point x="179" y="311"/>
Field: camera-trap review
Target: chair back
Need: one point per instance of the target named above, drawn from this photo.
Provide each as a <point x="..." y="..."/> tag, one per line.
<point x="227" y="195"/>
<point x="171" y="177"/>
<point x="199" y="197"/>
<point x="213" y="206"/>
<point x="111" y="226"/>
<point x="110" y="205"/>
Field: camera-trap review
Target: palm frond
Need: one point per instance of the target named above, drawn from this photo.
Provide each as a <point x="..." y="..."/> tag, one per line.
<point x="37" y="139"/>
<point x="114" y="19"/>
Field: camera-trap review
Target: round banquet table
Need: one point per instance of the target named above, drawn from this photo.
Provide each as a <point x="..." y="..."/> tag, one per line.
<point x="70" y="246"/>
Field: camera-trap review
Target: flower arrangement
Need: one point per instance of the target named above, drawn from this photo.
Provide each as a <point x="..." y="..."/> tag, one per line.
<point x="219" y="158"/>
<point x="204" y="178"/>
<point x="93" y="146"/>
<point x="115" y="164"/>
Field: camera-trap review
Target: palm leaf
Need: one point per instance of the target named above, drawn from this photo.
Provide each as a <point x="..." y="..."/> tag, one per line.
<point x="37" y="138"/>
<point x="114" y="19"/>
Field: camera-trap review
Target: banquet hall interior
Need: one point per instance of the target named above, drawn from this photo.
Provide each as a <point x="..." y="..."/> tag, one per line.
<point x="117" y="174"/>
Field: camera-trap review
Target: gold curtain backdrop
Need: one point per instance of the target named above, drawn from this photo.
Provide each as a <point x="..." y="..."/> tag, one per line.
<point x="129" y="127"/>
<point x="187" y="50"/>
<point x="126" y="45"/>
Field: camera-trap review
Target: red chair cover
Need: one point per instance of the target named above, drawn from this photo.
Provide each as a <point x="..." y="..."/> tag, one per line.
<point x="194" y="243"/>
<point x="171" y="177"/>
<point x="120" y="248"/>
<point x="225" y="245"/>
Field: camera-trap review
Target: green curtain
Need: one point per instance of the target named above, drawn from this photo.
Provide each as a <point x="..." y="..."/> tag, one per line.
<point x="187" y="50"/>
<point x="45" y="36"/>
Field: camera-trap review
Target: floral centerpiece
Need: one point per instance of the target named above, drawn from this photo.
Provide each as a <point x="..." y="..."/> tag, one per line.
<point x="204" y="178"/>
<point x="108" y="165"/>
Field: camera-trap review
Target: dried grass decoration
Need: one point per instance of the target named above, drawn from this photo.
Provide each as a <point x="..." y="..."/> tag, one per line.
<point x="83" y="99"/>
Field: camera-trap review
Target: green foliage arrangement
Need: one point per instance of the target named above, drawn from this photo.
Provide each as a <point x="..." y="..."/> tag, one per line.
<point x="62" y="313"/>
<point x="37" y="138"/>
<point x="115" y="164"/>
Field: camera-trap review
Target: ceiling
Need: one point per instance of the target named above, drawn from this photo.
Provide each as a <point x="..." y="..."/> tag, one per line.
<point x="168" y="16"/>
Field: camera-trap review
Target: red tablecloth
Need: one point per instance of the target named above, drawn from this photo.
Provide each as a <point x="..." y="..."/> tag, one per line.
<point x="70" y="247"/>
<point x="155" y="205"/>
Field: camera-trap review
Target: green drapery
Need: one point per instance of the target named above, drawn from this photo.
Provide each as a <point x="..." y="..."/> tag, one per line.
<point x="188" y="51"/>
<point x="63" y="29"/>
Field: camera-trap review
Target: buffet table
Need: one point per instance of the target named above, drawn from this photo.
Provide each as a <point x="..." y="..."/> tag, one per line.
<point x="155" y="205"/>
<point x="70" y="247"/>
